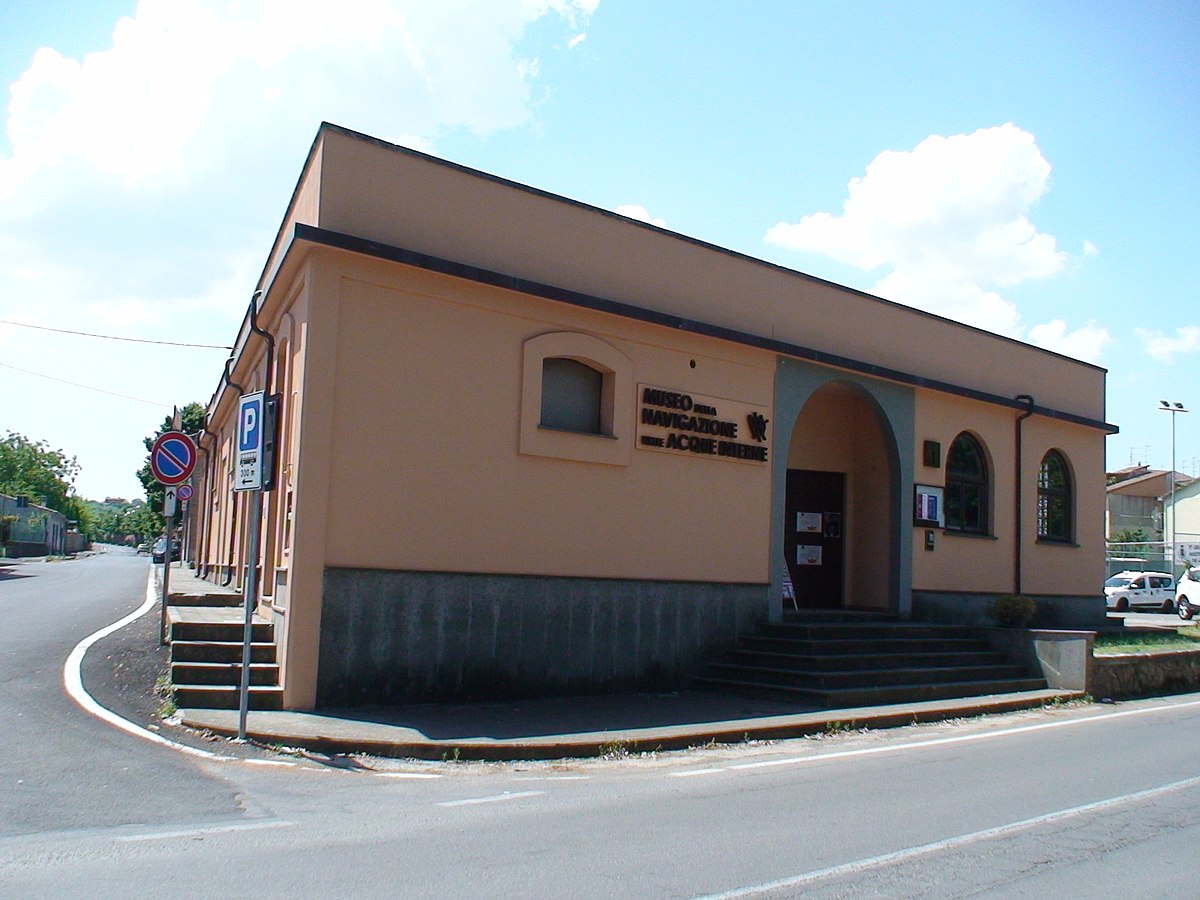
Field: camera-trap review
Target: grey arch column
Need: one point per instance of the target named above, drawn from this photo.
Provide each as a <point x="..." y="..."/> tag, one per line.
<point x="795" y="382"/>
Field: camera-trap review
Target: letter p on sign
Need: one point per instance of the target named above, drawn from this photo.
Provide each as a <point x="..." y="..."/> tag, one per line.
<point x="248" y="427"/>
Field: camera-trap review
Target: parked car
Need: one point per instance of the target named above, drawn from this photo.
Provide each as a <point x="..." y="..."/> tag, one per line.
<point x="160" y="550"/>
<point x="143" y="548"/>
<point x="1187" y="595"/>
<point x="1152" y="590"/>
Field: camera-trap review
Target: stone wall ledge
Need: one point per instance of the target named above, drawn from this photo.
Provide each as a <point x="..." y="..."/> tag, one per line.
<point x="1125" y="676"/>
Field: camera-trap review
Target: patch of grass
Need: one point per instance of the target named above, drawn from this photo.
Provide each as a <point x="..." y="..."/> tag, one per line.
<point x="165" y="691"/>
<point x="1184" y="638"/>
<point x="614" y="749"/>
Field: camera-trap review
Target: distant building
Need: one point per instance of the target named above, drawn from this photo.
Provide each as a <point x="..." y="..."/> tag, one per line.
<point x="1134" y="501"/>
<point x="529" y="446"/>
<point x="27" y="529"/>
<point x="1183" y="523"/>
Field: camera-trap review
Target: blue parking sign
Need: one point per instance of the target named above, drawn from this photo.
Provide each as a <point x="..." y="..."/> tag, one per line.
<point x="248" y="467"/>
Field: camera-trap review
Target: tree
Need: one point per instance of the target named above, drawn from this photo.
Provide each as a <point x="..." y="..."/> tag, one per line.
<point x="192" y="419"/>
<point x="32" y="469"/>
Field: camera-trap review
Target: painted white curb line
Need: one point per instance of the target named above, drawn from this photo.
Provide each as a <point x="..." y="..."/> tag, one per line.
<point x="73" y="682"/>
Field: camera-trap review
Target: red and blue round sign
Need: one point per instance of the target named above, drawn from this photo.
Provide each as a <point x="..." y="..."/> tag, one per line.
<point x="173" y="457"/>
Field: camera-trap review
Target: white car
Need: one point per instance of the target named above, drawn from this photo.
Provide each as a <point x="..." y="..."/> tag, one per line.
<point x="1153" y="590"/>
<point x="1187" y="596"/>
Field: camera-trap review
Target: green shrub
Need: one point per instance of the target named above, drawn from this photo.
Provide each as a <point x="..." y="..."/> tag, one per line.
<point x="1015" y="610"/>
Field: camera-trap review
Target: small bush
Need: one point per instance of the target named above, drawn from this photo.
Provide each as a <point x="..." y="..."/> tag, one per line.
<point x="1015" y="610"/>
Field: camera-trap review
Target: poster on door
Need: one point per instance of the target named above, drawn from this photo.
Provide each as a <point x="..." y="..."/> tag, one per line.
<point x="808" y="522"/>
<point x="808" y="555"/>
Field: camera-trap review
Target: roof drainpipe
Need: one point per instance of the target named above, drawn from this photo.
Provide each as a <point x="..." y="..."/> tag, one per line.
<point x="265" y="335"/>
<point x="234" y="501"/>
<point x="1018" y="534"/>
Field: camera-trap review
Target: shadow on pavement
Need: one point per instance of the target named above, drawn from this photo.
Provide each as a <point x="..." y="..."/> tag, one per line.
<point x="503" y="720"/>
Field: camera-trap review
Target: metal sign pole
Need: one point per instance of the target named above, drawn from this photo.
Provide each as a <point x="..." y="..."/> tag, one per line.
<point x="250" y="593"/>
<point x="166" y="579"/>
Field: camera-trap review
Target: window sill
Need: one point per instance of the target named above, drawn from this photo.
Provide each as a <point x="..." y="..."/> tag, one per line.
<point x="977" y="535"/>
<point x="595" y="434"/>
<point x="1055" y="542"/>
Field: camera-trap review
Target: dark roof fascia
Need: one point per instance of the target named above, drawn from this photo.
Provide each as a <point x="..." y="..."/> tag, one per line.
<point x="338" y="240"/>
<point x="745" y="257"/>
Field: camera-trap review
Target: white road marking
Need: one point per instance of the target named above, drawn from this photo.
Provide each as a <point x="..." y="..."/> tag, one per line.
<point x="73" y="682"/>
<point x="936" y="742"/>
<point x="495" y="798"/>
<point x="962" y="840"/>
<point x="202" y="831"/>
<point x="407" y="775"/>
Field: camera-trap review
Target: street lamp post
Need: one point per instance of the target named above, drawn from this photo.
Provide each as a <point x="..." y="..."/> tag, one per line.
<point x="1174" y="409"/>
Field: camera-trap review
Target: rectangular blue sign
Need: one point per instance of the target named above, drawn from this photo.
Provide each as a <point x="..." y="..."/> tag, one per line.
<point x="248" y="466"/>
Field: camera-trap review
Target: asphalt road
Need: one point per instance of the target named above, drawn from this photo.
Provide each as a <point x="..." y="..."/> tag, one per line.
<point x="1086" y="801"/>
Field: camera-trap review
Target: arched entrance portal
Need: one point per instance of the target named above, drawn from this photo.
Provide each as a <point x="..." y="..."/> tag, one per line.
<point x="840" y="536"/>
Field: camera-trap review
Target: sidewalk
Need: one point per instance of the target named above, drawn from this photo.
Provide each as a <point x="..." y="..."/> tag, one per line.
<point x="561" y="727"/>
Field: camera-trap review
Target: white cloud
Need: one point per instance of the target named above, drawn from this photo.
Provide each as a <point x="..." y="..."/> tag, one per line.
<point x="1086" y="343"/>
<point x="950" y="221"/>
<point x="1164" y="348"/>
<point x="1090" y="249"/>
<point x="576" y="41"/>
<point x="640" y="213"/>
<point x="141" y="184"/>
<point x="184" y="78"/>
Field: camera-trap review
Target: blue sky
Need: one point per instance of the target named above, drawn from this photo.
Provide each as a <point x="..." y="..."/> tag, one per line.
<point x="1029" y="168"/>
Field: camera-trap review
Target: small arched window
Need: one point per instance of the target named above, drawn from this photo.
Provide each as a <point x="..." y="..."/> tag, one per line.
<point x="967" y="486"/>
<point x="1055" y="516"/>
<point x="572" y="394"/>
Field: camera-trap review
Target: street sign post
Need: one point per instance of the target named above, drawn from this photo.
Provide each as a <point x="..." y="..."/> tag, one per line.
<point x="248" y="467"/>
<point x="172" y="460"/>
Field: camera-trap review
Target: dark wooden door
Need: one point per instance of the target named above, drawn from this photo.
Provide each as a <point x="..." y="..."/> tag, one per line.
<point x="814" y="536"/>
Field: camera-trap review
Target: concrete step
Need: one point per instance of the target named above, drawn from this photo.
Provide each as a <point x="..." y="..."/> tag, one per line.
<point x="867" y="646"/>
<point x="204" y="599"/>
<point x="220" y="652"/>
<point x="878" y="679"/>
<point x="807" y="616"/>
<point x="872" y="630"/>
<point x="227" y="673"/>
<point x="847" y="698"/>
<point x="846" y="662"/>
<point x="209" y="696"/>
<point x="216" y="631"/>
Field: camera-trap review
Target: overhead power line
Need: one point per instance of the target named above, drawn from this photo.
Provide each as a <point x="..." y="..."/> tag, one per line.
<point x="87" y="387"/>
<point x="113" y="337"/>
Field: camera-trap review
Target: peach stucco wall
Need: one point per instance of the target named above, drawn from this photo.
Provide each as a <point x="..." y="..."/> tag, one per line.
<point x="425" y="465"/>
<point x="987" y="563"/>
<point x="460" y="215"/>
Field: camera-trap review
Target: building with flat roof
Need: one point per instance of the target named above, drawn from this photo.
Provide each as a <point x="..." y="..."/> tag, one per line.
<point x="529" y="446"/>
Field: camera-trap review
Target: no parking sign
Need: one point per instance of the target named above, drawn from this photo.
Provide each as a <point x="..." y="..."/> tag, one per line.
<point x="173" y="457"/>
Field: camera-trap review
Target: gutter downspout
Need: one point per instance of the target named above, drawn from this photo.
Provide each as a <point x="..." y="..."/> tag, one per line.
<point x="233" y="511"/>
<point x="1018" y="535"/>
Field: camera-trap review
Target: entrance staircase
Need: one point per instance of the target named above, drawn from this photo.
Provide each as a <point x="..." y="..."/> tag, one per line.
<point x="841" y="660"/>
<point x="206" y="656"/>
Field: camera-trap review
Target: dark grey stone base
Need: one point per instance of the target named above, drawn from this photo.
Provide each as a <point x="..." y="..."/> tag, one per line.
<point x="977" y="609"/>
<point x="389" y="637"/>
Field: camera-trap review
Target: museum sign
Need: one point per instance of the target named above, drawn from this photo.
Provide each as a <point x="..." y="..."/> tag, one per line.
<point x="676" y="422"/>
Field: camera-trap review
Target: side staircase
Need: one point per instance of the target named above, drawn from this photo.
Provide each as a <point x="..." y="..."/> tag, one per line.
<point x="841" y="660"/>
<point x="206" y="655"/>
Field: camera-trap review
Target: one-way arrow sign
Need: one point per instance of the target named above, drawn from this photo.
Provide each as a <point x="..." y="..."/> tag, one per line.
<point x="169" y="499"/>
